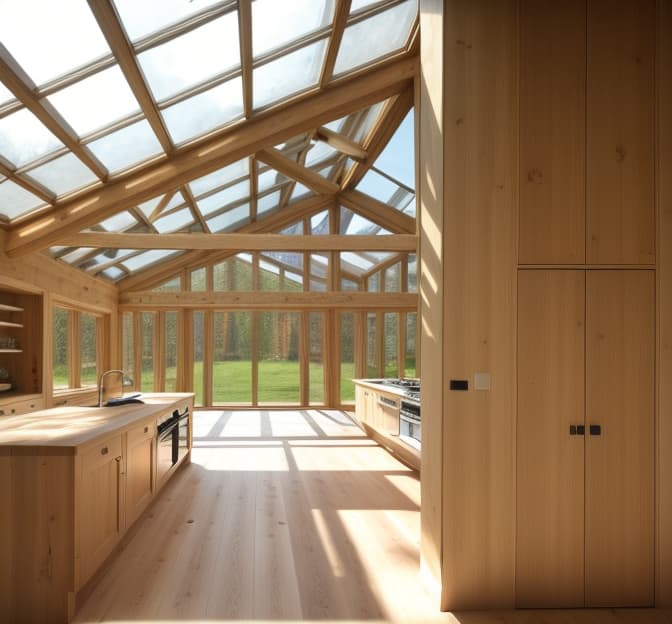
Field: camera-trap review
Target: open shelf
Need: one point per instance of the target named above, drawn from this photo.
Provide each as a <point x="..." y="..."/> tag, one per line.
<point x="8" y="308"/>
<point x="8" y="324"/>
<point x="11" y="350"/>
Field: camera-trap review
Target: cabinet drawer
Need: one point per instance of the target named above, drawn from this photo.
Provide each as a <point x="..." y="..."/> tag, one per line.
<point x="145" y="430"/>
<point x="101" y="453"/>
<point x="21" y="407"/>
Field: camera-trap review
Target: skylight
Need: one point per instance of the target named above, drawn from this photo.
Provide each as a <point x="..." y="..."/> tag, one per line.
<point x="24" y="138"/>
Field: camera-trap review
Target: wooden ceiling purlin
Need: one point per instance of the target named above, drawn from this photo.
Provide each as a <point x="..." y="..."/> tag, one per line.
<point x="109" y="23"/>
<point x="295" y="300"/>
<point x="341" y="15"/>
<point x="193" y="208"/>
<point x="271" y="222"/>
<point x="387" y="217"/>
<point x="341" y="143"/>
<point x="23" y="90"/>
<point x="33" y="187"/>
<point x="239" y="242"/>
<point x="296" y="171"/>
<point x="221" y="148"/>
<point x="245" y="38"/>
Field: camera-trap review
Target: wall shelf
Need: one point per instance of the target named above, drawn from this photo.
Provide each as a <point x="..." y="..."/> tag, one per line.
<point x="8" y="324"/>
<point x="9" y="308"/>
<point x="11" y="350"/>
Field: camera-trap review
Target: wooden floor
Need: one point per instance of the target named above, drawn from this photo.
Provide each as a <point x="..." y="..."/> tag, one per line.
<point x="287" y="516"/>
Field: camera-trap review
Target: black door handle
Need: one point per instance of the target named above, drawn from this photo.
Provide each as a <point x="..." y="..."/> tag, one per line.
<point x="577" y="429"/>
<point x="595" y="430"/>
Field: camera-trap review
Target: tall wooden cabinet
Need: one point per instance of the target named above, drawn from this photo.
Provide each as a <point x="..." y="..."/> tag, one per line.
<point x="587" y="132"/>
<point x="585" y="446"/>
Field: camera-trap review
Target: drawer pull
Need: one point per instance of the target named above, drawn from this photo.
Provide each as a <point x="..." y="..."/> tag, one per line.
<point x="146" y="429"/>
<point x="104" y="451"/>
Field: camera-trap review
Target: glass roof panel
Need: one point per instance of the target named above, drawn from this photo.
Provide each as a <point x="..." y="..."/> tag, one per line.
<point x="268" y="202"/>
<point x="5" y="95"/>
<point x="194" y="57"/>
<point x="126" y="147"/>
<point x="230" y="220"/>
<point x="288" y="74"/>
<point x="356" y="5"/>
<point x="113" y="273"/>
<point x="206" y="111"/>
<point x="319" y="152"/>
<point x="148" y="207"/>
<point x="225" y="197"/>
<point x="24" y="138"/>
<point x="367" y="122"/>
<point x="356" y="260"/>
<point x="66" y="29"/>
<point x="176" y="200"/>
<point x="375" y="36"/>
<point x="319" y="223"/>
<point x="353" y="223"/>
<point x="174" y="221"/>
<point x="268" y="179"/>
<point x="148" y="257"/>
<point x="63" y="174"/>
<point x="144" y="17"/>
<point x="220" y="177"/>
<point x="385" y="190"/>
<point x="398" y="157"/>
<point x="119" y="222"/>
<point x="300" y="191"/>
<point x="95" y="102"/>
<point x="277" y="23"/>
<point x="16" y="201"/>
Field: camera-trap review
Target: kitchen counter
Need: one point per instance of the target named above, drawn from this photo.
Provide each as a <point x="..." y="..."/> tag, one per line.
<point x="71" y="427"/>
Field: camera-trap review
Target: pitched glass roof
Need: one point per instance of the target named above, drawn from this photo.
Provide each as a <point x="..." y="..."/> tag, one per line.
<point x="94" y="110"/>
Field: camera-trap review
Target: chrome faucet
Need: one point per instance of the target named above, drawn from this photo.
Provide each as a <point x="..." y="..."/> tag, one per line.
<point x="101" y="386"/>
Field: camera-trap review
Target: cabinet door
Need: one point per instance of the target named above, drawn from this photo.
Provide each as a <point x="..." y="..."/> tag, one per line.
<point x="621" y="132"/>
<point x="99" y="504"/>
<point x="620" y="352"/>
<point x="552" y="131"/>
<point x="550" y="508"/>
<point x="139" y="470"/>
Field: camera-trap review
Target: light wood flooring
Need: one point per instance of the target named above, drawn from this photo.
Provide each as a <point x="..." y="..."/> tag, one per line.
<point x="287" y="516"/>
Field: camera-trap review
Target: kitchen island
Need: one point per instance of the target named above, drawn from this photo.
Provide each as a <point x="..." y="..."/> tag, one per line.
<point x="377" y="412"/>
<point x="73" y="480"/>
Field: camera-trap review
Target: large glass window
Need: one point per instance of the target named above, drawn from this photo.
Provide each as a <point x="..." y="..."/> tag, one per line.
<point x="347" y="331"/>
<point x="278" y="363"/>
<point x="411" y="333"/>
<point x="316" y="358"/>
<point x="391" y="344"/>
<point x="61" y="351"/>
<point x="147" y="321"/>
<point x="232" y="358"/>
<point x="88" y="334"/>
<point x="128" y="345"/>
<point x="170" y="352"/>
<point x="198" y="351"/>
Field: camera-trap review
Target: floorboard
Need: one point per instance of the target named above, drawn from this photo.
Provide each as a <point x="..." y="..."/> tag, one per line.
<point x="282" y="517"/>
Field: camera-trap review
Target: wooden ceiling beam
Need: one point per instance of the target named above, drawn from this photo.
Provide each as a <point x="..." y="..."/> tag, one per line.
<point x="378" y="212"/>
<point x="340" y="20"/>
<point x="245" y="34"/>
<point x="292" y="169"/>
<point x="214" y="152"/>
<point x="380" y="137"/>
<point x="242" y="242"/>
<point x="193" y="207"/>
<point x="19" y="84"/>
<point x="341" y="143"/>
<point x="295" y="300"/>
<point x="109" y="23"/>
<point x="269" y="223"/>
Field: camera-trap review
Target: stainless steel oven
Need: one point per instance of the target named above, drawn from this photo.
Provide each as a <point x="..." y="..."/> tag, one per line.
<point x="166" y="455"/>
<point x="182" y="437"/>
<point x="410" y="424"/>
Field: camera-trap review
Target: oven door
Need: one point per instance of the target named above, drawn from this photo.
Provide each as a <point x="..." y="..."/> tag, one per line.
<point x="165" y="454"/>
<point x="183" y="435"/>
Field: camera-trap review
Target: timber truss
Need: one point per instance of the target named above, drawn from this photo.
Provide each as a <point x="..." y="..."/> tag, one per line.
<point x="240" y="186"/>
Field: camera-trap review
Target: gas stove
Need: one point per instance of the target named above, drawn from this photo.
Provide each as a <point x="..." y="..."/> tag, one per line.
<point x="409" y="385"/>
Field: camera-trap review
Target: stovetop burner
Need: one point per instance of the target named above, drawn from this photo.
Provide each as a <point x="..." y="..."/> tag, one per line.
<point x="410" y="385"/>
<point x="413" y="394"/>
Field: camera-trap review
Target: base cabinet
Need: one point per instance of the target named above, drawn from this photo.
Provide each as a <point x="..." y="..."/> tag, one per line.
<point x="585" y="438"/>
<point x="99" y="504"/>
<point x="140" y="470"/>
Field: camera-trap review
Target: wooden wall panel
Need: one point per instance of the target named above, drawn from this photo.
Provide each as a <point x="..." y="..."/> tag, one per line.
<point x="480" y="207"/>
<point x="620" y="132"/>
<point x="550" y="493"/>
<point x="664" y="199"/>
<point x="552" y="131"/>
<point x="620" y="382"/>
<point x="430" y="318"/>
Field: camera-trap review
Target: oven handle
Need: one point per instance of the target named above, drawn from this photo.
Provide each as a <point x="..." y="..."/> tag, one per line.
<point x="168" y="431"/>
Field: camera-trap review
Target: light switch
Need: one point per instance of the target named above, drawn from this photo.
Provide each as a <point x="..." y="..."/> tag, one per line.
<point x="482" y="381"/>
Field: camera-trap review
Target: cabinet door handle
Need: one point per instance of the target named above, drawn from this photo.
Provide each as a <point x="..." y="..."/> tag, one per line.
<point x="104" y="451"/>
<point x="146" y="429"/>
<point x="577" y="430"/>
<point x="595" y="430"/>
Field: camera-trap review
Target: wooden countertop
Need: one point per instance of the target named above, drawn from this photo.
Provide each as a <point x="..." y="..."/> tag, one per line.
<point x="74" y="426"/>
<point x="379" y="387"/>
